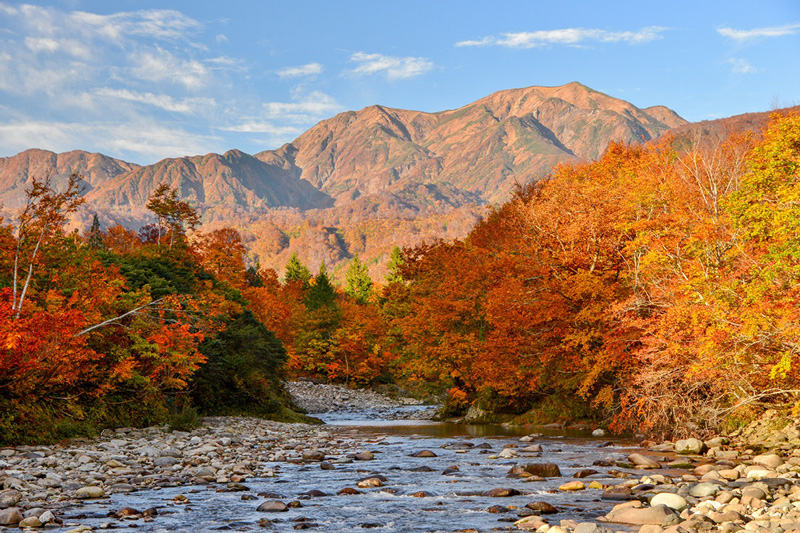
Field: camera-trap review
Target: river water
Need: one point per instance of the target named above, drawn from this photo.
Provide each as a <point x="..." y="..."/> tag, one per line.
<point x="453" y="502"/>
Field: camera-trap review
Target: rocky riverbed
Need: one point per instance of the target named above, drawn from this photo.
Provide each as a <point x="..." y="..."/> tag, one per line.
<point x="246" y="474"/>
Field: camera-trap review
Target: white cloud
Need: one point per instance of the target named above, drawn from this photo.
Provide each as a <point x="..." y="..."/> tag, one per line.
<point x="567" y="36"/>
<point x="162" y="66"/>
<point x="263" y="127"/>
<point x="310" y="69"/>
<point x="741" y="66"/>
<point x="142" y="141"/>
<point x="394" y="67"/>
<point x="307" y="107"/>
<point x="161" y="101"/>
<point x="774" y="31"/>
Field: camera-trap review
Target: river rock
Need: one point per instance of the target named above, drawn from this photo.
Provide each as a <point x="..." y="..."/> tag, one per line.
<point x="642" y="461"/>
<point x="10" y="517"/>
<point x="542" y="507"/>
<point x="374" y="481"/>
<point x="348" y="491"/>
<point x="702" y="490"/>
<point x="658" y="515"/>
<point x="501" y="493"/>
<point x="364" y="456"/>
<point x="673" y="501"/>
<point x="9" y="498"/>
<point x="589" y="527"/>
<point x="586" y="472"/>
<point x="90" y="492"/>
<point x="542" y="469"/>
<point x="770" y="460"/>
<point x="425" y="453"/>
<point x="617" y="492"/>
<point x="530" y="523"/>
<point x="272" y="506"/>
<point x="313" y="455"/>
<point x="572" y="486"/>
<point x="690" y="446"/>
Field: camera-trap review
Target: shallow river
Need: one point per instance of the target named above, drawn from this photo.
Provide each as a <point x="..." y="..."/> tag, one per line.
<point x="452" y="502"/>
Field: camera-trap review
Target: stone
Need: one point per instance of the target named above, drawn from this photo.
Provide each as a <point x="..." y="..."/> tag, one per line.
<point x="542" y="508"/>
<point x="10" y="517"/>
<point x="31" y="521"/>
<point x="598" y="433"/>
<point x="497" y="509"/>
<point x="617" y="492"/>
<point x="9" y="498"/>
<point x="659" y="515"/>
<point x="425" y="453"/>
<point x="370" y="482"/>
<point x="272" y="506"/>
<point x="673" y="501"/>
<point x="542" y="469"/>
<point x="533" y="448"/>
<point x="90" y="492"/>
<point x="586" y="472"/>
<point x="642" y="461"/>
<point x="589" y="527"/>
<point x="348" y="491"/>
<point x="501" y="493"/>
<point x="507" y="453"/>
<point x="572" y="486"/>
<point x="313" y="455"/>
<point x="702" y="490"/>
<point x="47" y="517"/>
<point x="770" y="460"/>
<point x="364" y="456"/>
<point x="530" y="523"/>
<point x="165" y="461"/>
<point x="690" y="446"/>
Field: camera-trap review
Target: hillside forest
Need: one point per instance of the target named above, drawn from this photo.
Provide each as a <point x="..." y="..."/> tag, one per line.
<point x="654" y="289"/>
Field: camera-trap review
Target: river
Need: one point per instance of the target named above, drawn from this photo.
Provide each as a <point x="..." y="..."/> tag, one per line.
<point x="415" y="497"/>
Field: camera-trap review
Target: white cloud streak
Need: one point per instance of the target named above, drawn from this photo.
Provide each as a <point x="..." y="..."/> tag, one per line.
<point x="310" y="69"/>
<point x="567" y="36"/>
<point x="395" y="68"/>
<point x="741" y="66"/>
<point x="755" y="33"/>
<point x="161" y="101"/>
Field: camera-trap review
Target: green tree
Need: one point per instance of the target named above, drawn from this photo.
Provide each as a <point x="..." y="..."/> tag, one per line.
<point x="396" y="262"/>
<point x="359" y="284"/>
<point x="95" y="234"/>
<point x="296" y="271"/>
<point x="321" y="294"/>
<point x="175" y="214"/>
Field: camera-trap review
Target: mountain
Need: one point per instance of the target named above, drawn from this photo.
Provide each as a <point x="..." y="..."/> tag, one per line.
<point x="365" y="180"/>
<point x="16" y="171"/>
<point x="484" y="148"/>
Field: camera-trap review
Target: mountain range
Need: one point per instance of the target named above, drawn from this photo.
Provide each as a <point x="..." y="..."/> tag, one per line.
<point x="365" y="180"/>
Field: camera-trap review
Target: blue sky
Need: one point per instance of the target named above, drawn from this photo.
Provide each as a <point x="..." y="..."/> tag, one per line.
<point x="143" y="80"/>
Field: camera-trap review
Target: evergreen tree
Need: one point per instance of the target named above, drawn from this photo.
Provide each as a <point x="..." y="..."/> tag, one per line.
<point x="95" y="234"/>
<point x="396" y="263"/>
<point x="296" y="271"/>
<point x="359" y="284"/>
<point x="253" y="277"/>
<point x="321" y="293"/>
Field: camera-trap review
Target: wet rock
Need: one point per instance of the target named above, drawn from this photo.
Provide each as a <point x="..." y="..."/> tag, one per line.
<point x="702" y="490"/>
<point x="530" y="523"/>
<point x="590" y="527"/>
<point x="325" y="465"/>
<point x="542" y="469"/>
<point x="572" y="486"/>
<point x="598" y="433"/>
<point x="348" y="491"/>
<point x="450" y="470"/>
<point x="374" y="481"/>
<point x="498" y="509"/>
<point x="501" y="493"/>
<point x="272" y="506"/>
<point x="313" y="455"/>
<point x="542" y="508"/>
<point x="31" y="521"/>
<point x="364" y="456"/>
<point x="642" y="461"/>
<point x="586" y="472"/>
<point x="424" y="453"/>
<point x="617" y="492"/>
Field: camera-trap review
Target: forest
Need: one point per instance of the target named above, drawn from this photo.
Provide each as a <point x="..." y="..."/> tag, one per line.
<point x="654" y="289"/>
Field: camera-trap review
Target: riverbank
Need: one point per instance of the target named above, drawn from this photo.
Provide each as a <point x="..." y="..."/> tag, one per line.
<point x="249" y="472"/>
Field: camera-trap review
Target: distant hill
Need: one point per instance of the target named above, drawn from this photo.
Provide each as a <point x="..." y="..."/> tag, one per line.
<point x="364" y="180"/>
